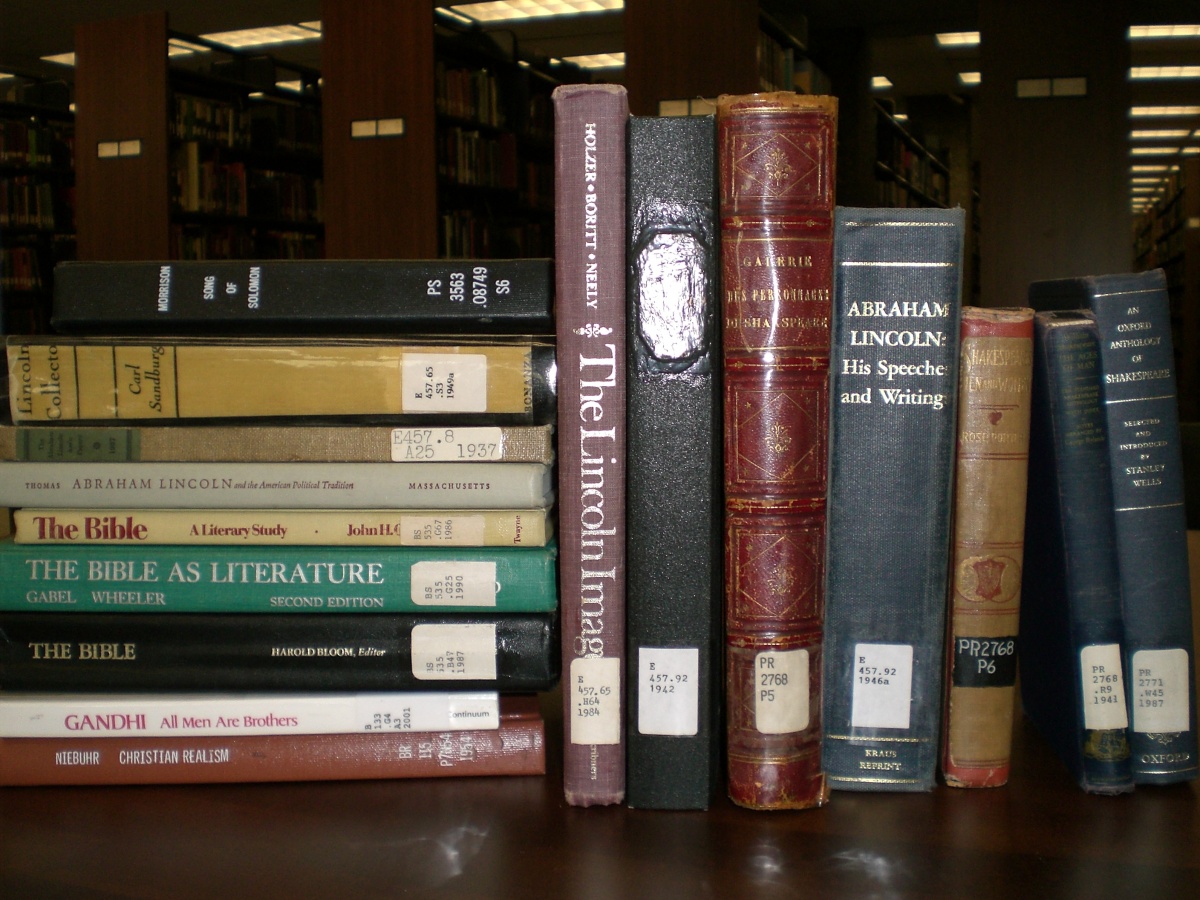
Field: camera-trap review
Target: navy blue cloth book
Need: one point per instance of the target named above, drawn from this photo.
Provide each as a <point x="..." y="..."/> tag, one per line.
<point x="1070" y="637"/>
<point x="894" y="368"/>
<point x="673" y="565"/>
<point x="1137" y="366"/>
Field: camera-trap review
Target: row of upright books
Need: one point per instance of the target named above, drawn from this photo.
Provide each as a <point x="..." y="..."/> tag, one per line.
<point x="256" y="554"/>
<point x="827" y="466"/>
<point x="795" y="477"/>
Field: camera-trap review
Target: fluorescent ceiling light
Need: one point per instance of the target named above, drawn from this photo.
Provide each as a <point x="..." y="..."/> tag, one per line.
<point x="4" y="75"/>
<point x="1146" y="73"/>
<point x="1161" y="134"/>
<point x="1146" y="191"/>
<point x="1154" y="151"/>
<point x="958" y="39"/>
<point x="178" y="47"/>
<point x="1165" y="111"/>
<point x="262" y="37"/>
<point x="1190" y="151"/>
<point x="501" y="10"/>
<point x="969" y="79"/>
<point x="1146" y="179"/>
<point x="881" y="83"/>
<point x="597" y="60"/>
<point x="63" y="59"/>
<point x="1162" y="168"/>
<point x="1144" y="32"/>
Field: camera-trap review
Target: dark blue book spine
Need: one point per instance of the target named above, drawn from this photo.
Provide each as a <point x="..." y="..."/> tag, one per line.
<point x="673" y="570"/>
<point x="894" y="394"/>
<point x="1137" y="362"/>
<point x="1070" y="635"/>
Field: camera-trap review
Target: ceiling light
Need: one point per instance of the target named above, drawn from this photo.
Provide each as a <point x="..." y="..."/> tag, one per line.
<point x="1165" y="111"/>
<point x="63" y="59"/>
<point x="958" y="39"/>
<point x="1162" y="168"/>
<point x="1143" y="32"/>
<point x="1154" y="151"/>
<point x="1145" y="73"/>
<point x="1146" y="179"/>
<point x="262" y="37"/>
<point x="881" y="83"/>
<point x="969" y="79"/>
<point x="1190" y="151"/>
<point x="4" y="75"/>
<point x="597" y="60"/>
<point x="1161" y="134"/>
<point x="500" y="10"/>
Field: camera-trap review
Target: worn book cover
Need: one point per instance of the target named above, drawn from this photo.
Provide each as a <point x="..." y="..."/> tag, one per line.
<point x="894" y="397"/>
<point x="992" y="464"/>
<point x="673" y="568"/>
<point x="776" y="174"/>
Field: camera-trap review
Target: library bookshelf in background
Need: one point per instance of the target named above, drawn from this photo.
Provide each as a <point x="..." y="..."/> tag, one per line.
<point x="1167" y="236"/>
<point x="198" y="159"/>
<point x="908" y="172"/>
<point x="37" y="205"/>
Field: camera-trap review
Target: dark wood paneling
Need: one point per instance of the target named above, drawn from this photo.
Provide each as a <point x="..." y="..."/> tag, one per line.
<point x="380" y="194"/>
<point x="121" y="94"/>
<point x="677" y="49"/>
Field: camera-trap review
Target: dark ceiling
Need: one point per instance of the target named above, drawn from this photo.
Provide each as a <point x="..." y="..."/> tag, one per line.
<point x="902" y="30"/>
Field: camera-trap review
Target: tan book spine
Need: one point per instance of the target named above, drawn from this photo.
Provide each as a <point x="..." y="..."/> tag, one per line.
<point x="268" y="527"/>
<point x="275" y="443"/>
<point x="989" y="532"/>
<point x="54" y="379"/>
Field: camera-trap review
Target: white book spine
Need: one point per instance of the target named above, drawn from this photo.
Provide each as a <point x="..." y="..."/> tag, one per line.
<point x="212" y="485"/>
<point x="32" y="715"/>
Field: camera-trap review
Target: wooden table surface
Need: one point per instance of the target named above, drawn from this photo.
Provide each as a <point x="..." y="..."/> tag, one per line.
<point x="1038" y="837"/>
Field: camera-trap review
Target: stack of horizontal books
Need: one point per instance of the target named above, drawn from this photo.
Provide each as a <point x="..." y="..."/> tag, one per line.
<point x="247" y="551"/>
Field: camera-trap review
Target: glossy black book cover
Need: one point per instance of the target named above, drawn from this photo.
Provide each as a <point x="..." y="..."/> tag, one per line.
<point x="674" y="476"/>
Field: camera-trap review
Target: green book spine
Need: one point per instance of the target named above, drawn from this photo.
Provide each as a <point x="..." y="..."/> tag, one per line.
<point x="248" y="579"/>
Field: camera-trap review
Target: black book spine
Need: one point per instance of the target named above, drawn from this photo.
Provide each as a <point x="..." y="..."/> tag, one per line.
<point x="673" y="570"/>
<point x="298" y="296"/>
<point x="184" y="652"/>
<point x="1070" y="633"/>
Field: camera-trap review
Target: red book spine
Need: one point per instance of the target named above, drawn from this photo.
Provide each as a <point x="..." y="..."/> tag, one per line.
<point x="776" y="159"/>
<point x="590" y="126"/>
<point x="516" y="748"/>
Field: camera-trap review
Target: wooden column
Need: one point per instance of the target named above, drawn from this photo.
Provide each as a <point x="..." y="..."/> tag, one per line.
<point x="1055" y="169"/>
<point x="679" y="49"/>
<point x="377" y="64"/>
<point x="122" y="187"/>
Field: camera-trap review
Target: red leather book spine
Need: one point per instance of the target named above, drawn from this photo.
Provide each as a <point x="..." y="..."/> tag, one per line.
<point x="517" y="747"/>
<point x="776" y="161"/>
<point x="590" y="123"/>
